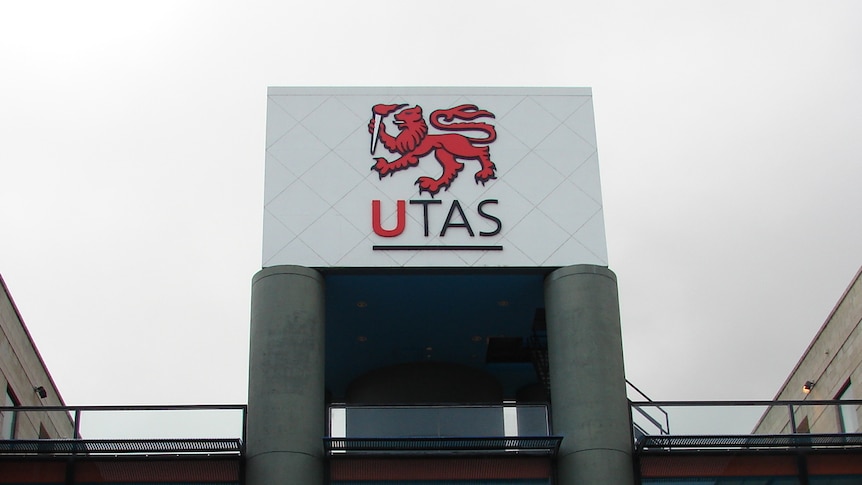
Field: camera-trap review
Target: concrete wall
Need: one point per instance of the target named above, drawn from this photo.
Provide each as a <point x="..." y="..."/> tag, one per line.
<point x="22" y="370"/>
<point x="832" y="359"/>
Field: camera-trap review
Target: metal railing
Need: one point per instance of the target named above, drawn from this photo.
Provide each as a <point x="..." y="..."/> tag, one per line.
<point x="755" y="417"/>
<point x="755" y="442"/>
<point x="179" y="429"/>
<point x="637" y="425"/>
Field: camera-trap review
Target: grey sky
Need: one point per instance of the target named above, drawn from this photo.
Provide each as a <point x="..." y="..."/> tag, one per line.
<point x="132" y="153"/>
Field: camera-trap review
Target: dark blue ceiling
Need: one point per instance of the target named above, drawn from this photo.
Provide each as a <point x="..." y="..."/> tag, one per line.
<point x="383" y="317"/>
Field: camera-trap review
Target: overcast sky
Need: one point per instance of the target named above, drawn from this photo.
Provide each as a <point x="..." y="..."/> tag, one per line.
<point x="132" y="154"/>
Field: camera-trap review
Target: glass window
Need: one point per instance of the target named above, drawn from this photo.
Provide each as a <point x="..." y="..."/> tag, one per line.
<point x="848" y="414"/>
<point x="7" y="418"/>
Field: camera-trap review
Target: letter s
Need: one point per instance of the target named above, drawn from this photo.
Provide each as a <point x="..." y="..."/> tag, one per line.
<point x="490" y="218"/>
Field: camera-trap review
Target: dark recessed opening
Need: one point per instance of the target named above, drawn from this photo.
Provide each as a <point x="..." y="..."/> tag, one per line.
<point x="506" y="349"/>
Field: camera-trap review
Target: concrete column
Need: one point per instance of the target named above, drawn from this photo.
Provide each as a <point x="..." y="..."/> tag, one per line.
<point x="285" y="384"/>
<point x="588" y="394"/>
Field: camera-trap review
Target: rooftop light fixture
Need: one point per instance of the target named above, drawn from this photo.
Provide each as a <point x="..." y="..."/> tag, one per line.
<point x="41" y="392"/>
<point x="806" y="388"/>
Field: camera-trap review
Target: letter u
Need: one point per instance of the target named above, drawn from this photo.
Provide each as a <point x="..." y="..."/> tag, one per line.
<point x="401" y="213"/>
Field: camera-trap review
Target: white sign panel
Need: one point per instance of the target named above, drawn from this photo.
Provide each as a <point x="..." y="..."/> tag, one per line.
<point x="432" y="177"/>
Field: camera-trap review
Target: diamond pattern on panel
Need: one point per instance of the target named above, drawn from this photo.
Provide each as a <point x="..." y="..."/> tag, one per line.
<point x="561" y="106"/>
<point x="319" y="185"/>
<point x="594" y="230"/>
<point x="297" y="252"/>
<point x="564" y="150"/>
<point x="339" y="178"/>
<point x="278" y="122"/>
<point x="275" y="236"/>
<point x="537" y="236"/>
<point x="361" y="105"/>
<point x="355" y="150"/>
<point x="506" y="151"/>
<point x="431" y="103"/>
<point x="534" y="178"/>
<point x="509" y="256"/>
<point x="356" y="205"/>
<point x="572" y="250"/>
<point x="587" y="178"/>
<point x="529" y="122"/>
<point x="436" y="258"/>
<point x="363" y="255"/>
<point x="298" y="106"/>
<point x="331" y="237"/>
<point x="569" y="207"/>
<point x="297" y="207"/>
<point x="582" y="122"/>
<point x="466" y="189"/>
<point x="298" y="150"/>
<point x="331" y="122"/>
<point x="401" y="258"/>
<point x="277" y="178"/>
<point x="470" y="257"/>
<point x="404" y="182"/>
<point x="502" y="104"/>
<point x="511" y="206"/>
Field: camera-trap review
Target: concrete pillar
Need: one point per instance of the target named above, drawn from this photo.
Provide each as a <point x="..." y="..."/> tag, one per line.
<point x="588" y="394"/>
<point x="285" y="385"/>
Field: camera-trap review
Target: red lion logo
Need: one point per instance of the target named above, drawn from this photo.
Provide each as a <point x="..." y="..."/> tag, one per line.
<point x="413" y="142"/>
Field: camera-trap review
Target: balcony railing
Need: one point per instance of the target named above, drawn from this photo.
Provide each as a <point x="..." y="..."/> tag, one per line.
<point x="749" y="442"/>
<point x="747" y="418"/>
<point x="110" y="444"/>
<point x="425" y="429"/>
<point x="129" y="430"/>
<point x="437" y="421"/>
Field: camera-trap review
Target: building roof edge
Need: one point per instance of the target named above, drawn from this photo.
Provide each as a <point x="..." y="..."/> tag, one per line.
<point x="30" y="338"/>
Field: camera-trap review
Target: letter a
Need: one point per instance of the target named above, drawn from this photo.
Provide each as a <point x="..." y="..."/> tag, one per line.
<point x="401" y="219"/>
<point x="465" y="223"/>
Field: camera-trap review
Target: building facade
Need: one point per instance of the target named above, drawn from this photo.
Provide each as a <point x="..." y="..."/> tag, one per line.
<point x="829" y="369"/>
<point x="435" y="307"/>
<point x="435" y="289"/>
<point x="26" y="381"/>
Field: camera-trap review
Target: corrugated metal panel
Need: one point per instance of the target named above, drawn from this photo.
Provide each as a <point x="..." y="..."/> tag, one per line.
<point x="449" y="482"/>
<point x="417" y="468"/>
<point x="133" y="446"/>
<point x="750" y="442"/>
<point x="714" y="466"/>
<point x="16" y="471"/>
<point x="836" y="464"/>
<point x="123" y="470"/>
<point x="155" y="470"/>
<point x="532" y="444"/>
